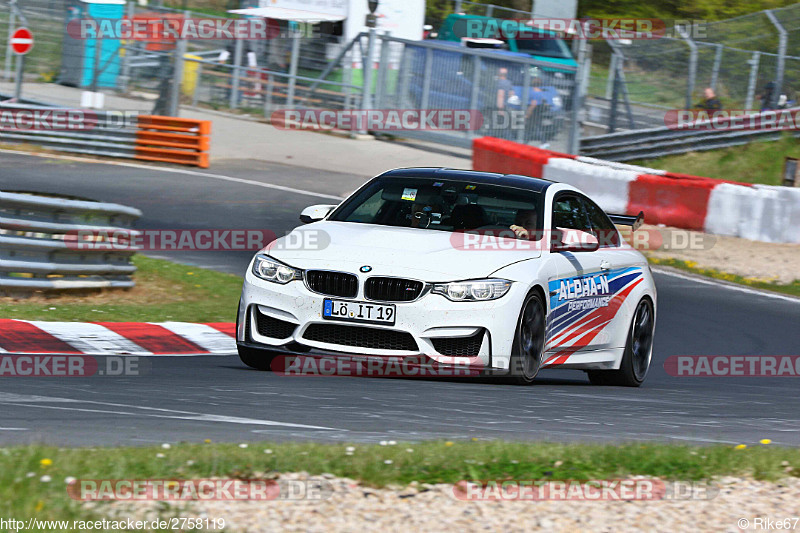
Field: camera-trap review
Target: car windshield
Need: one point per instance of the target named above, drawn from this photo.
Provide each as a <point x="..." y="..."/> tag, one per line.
<point x="543" y="46"/>
<point x="443" y="205"/>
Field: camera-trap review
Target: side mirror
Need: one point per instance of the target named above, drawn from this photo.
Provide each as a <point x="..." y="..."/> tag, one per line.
<point x="576" y="241"/>
<point x="315" y="213"/>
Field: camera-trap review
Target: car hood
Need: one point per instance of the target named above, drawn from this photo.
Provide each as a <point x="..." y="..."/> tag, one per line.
<point x="427" y="255"/>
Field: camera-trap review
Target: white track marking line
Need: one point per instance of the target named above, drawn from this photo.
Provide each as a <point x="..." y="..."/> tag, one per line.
<point x="91" y="338"/>
<point x="729" y="286"/>
<point x="204" y="336"/>
<point x="182" y="171"/>
<point x="155" y="412"/>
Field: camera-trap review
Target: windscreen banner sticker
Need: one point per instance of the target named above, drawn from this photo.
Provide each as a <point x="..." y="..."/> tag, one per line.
<point x="409" y="194"/>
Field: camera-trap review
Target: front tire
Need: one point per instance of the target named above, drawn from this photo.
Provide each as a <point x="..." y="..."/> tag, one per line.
<point x="638" y="352"/>
<point x="254" y="358"/>
<point x="528" y="347"/>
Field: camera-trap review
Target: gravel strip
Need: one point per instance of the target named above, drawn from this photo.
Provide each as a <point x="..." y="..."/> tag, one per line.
<point x="353" y="507"/>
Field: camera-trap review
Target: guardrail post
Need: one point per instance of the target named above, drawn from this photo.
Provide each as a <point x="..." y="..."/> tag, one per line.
<point x="692" y="77"/>
<point x="782" y="42"/>
<point x="751" y="83"/>
<point x="293" y="63"/>
<point x="457" y="7"/>
<point x="233" y="100"/>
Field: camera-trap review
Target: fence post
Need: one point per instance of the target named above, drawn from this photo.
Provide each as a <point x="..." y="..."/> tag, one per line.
<point x="715" y="69"/>
<point x="268" y="96"/>
<point x="426" y="80"/>
<point x="11" y="23"/>
<point x="233" y="100"/>
<point x="692" y="78"/>
<point x="366" y="100"/>
<point x="125" y="66"/>
<point x="196" y="92"/>
<point x="526" y="98"/>
<point x="579" y="90"/>
<point x="751" y="83"/>
<point x="383" y="68"/>
<point x="612" y="71"/>
<point x="402" y="80"/>
<point x="293" y="63"/>
<point x="782" y="42"/>
<point x="473" y="97"/>
<point x="177" y="75"/>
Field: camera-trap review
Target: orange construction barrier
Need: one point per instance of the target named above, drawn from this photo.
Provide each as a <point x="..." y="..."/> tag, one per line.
<point x="173" y="140"/>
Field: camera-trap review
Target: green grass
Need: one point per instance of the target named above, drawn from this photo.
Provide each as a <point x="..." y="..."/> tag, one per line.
<point x="758" y="162"/>
<point x="165" y="291"/>
<point x="792" y="289"/>
<point x="24" y="494"/>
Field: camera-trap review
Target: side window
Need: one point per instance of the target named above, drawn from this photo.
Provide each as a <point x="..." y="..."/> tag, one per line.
<point x="602" y="227"/>
<point x="569" y="213"/>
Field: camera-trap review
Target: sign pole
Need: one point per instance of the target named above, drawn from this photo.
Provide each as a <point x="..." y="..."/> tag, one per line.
<point x="18" y="84"/>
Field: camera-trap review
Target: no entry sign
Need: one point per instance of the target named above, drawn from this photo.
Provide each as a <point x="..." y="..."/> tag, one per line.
<point x="21" y="41"/>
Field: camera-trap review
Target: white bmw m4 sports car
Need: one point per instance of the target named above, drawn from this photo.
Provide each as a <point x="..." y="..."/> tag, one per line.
<point x="516" y="273"/>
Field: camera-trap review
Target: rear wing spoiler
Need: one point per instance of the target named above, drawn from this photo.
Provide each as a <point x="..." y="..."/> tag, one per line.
<point x="628" y="220"/>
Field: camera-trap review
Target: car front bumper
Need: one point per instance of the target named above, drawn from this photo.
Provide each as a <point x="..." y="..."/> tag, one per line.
<point x="437" y="325"/>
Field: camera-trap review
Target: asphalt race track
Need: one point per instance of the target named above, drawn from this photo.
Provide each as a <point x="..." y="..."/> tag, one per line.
<point x="194" y="398"/>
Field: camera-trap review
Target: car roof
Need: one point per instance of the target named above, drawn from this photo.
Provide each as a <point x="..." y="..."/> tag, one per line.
<point x="474" y="176"/>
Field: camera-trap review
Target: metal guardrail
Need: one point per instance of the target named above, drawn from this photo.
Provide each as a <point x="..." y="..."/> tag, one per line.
<point x="664" y="141"/>
<point x="40" y="250"/>
<point x="110" y="133"/>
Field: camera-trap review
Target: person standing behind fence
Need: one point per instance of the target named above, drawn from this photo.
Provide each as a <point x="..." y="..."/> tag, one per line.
<point x="504" y="95"/>
<point x="710" y="102"/>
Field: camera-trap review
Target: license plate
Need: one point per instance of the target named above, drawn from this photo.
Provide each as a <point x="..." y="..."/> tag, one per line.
<point x="365" y="312"/>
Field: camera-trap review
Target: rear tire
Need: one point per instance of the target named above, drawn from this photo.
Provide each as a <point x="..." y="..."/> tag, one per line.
<point x="528" y="347"/>
<point x="638" y="352"/>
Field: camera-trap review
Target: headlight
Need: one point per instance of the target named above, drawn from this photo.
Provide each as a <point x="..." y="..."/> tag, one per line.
<point x="271" y="270"/>
<point x="474" y="290"/>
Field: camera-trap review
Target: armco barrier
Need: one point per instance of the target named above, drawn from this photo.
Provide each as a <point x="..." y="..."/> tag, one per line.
<point x="756" y="212"/>
<point x="148" y="138"/>
<point x="36" y="252"/>
<point x="173" y="140"/>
